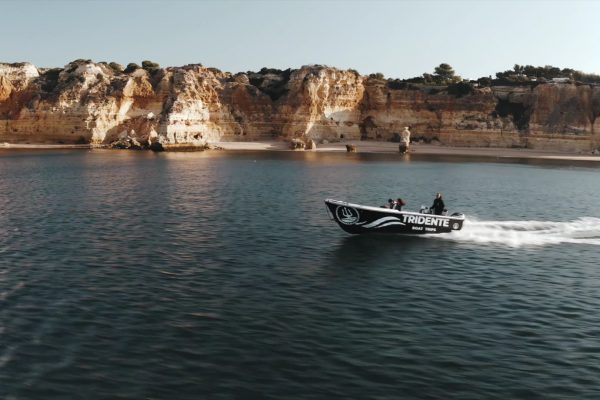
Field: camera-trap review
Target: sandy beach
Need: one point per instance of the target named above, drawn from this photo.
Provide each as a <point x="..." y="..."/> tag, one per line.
<point x="361" y="147"/>
<point x="427" y="149"/>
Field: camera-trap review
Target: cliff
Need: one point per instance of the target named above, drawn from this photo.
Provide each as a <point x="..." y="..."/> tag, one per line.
<point x="87" y="102"/>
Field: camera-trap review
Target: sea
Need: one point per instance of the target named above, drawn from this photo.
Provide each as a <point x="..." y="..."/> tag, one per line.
<point x="219" y="275"/>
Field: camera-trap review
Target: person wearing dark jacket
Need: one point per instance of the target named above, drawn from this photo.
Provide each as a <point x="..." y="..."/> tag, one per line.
<point x="399" y="204"/>
<point x="438" y="205"/>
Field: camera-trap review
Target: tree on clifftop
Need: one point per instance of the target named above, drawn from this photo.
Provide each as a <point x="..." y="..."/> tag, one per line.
<point x="444" y="71"/>
<point x="444" y="74"/>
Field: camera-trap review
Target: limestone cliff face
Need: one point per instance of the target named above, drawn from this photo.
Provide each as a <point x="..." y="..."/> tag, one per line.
<point x="85" y="102"/>
<point x="322" y="103"/>
<point x="564" y="115"/>
<point x="463" y="121"/>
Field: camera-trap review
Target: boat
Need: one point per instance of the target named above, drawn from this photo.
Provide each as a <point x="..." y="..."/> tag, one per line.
<point x="356" y="218"/>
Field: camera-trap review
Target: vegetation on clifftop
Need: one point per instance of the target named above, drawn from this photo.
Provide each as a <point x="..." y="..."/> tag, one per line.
<point x="131" y="67"/>
<point x="271" y="81"/>
<point x="529" y="73"/>
<point x="444" y="79"/>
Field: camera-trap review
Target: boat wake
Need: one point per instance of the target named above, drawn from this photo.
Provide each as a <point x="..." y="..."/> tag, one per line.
<point x="529" y="233"/>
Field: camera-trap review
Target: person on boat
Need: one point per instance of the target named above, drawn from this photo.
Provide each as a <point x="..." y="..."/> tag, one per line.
<point x="399" y="204"/>
<point x="391" y="204"/>
<point x="438" y="205"/>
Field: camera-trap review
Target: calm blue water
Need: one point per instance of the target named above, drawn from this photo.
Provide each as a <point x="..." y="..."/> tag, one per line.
<point x="219" y="276"/>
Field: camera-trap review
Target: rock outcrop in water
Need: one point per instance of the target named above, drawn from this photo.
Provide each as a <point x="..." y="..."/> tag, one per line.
<point x="88" y="102"/>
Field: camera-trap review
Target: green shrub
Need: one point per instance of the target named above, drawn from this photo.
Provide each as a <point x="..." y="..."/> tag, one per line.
<point x="275" y="88"/>
<point x="484" y="82"/>
<point x="377" y="75"/>
<point x="131" y="67"/>
<point x="586" y="78"/>
<point x="265" y="70"/>
<point x="81" y="61"/>
<point x="118" y="68"/>
<point x="461" y="89"/>
<point x="50" y="79"/>
<point x="396" y="84"/>
<point x="150" y="66"/>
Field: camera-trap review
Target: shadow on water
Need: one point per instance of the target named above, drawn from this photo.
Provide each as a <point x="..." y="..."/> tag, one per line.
<point x="365" y="250"/>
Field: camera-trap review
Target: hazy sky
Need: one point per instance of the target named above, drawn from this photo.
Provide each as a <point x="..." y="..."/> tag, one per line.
<point x="398" y="38"/>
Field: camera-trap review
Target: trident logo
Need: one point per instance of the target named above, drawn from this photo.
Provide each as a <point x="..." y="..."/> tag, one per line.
<point x="347" y="215"/>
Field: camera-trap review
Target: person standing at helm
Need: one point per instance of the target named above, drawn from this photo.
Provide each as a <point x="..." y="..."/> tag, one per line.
<point x="438" y="204"/>
<point x="404" y="140"/>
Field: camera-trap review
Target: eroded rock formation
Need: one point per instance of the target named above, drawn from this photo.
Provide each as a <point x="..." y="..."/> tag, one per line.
<point x="88" y="102"/>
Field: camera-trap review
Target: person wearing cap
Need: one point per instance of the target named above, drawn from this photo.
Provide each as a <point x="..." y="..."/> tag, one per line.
<point x="438" y="205"/>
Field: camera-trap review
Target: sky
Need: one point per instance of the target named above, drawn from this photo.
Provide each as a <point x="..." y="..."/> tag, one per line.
<point x="400" y="39"/>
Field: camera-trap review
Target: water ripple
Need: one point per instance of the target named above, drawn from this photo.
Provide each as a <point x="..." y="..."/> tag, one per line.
<point x="218" y="276"/>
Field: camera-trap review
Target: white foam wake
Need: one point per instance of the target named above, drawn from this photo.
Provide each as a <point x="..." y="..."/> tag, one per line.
<point x="529" y="233"/>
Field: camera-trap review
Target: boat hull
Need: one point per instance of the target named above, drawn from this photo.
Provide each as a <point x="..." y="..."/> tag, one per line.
<point x="356" y="218"/>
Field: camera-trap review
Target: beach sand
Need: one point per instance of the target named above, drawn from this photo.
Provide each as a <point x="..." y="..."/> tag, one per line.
<point x="361" y="147"/>
<point x="415" y="148"/>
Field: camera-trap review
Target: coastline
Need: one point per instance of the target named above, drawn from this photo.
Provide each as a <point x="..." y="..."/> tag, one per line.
<point x="361" y="146"/>
<point x="415" y="148"/>
<point x="19" y="146"/>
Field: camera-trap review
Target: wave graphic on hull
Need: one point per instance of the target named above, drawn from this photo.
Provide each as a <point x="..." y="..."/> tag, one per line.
<point x="529" y="233"/>
<point x="381" y="222"/>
